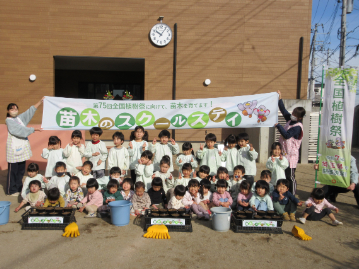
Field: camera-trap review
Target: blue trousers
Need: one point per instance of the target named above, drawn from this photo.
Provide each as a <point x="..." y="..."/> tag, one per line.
<point x="242" y="207"/>
<point x="260" y="205"/>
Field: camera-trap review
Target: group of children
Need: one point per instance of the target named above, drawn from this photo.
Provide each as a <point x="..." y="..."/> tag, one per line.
<point x="71" y="183"/>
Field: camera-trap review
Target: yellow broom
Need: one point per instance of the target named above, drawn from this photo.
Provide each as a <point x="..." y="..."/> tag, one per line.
<point x="158" y="232"/>
<point x="299" y="232"/>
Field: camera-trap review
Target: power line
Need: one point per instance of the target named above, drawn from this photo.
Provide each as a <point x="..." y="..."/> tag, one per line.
<point x="316" y="11"/>
<point x="324" y="11"/>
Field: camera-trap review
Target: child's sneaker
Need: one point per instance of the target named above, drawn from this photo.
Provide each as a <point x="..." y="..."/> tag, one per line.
<point x="209" y="212"/>
<point x="200" y="215"/>
<point x="292" y="217"/>
<point x="336" y="222"/>
<point x="302" y="220"/>
<point x="206" y="217"/>
<point x="285" y="216"/>
<point x="91" y="215"/>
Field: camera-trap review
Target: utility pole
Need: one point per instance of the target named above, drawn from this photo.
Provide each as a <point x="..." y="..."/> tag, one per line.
<point x="312" y="64"/>
<point x="343" y="34"/>
<point x="328" y="57"/>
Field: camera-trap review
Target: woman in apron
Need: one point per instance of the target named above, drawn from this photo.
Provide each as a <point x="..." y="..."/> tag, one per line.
<point x="17" y="146"/>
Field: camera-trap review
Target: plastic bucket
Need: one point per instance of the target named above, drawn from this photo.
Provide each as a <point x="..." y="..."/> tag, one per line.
<point x="120" y="212"/>
<point x="221" y="218"/>
<point x="4" y="212"/>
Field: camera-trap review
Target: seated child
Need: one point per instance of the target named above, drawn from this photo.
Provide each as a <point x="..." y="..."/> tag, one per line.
<point x="127" y="187"/>
<point x="247" y="156"/>
<point x="35" y="197"/>
<point x="115" y="173"/>
<point x="238" y="174"/>
<point x="54" y="198"/>
<point x="167" y="179"/>
<point x="157" y="194"/>
<point x="266" y="175"/>
<point x="205" y="195"/>
<point x="118" y="155"/>
<point x="74" y="195"/>
<point x="284" y="201"/>
<point x="93" y="199"/>
<point x="222" y="197"/>
<point x="244" y="196"/>
<point x="277" y="163"/>
<point x="203" y="173"/>
<point x="111" y="194"/>
<point x="318" y="207"/>
<point x="186" y="172"/>
<point x="191" y="200"/>
<point x="176" y="201"/>
<point x="140" y="200"/>
<point x="187" y="156"/>
<point x="61" y="180"/>
<point x="163" y="148"/>
<point x="210" y="155"/>
<point x="261" y="199"/>
<point x="85" y="174"/>
<point x="144" y="169"/>
<point x="32" y="174"/>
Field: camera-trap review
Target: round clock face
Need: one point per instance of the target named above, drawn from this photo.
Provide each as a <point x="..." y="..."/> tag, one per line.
<point x="161" y="34"/>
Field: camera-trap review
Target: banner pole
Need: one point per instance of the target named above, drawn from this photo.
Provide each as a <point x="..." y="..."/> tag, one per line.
<point x="320" y="116"/>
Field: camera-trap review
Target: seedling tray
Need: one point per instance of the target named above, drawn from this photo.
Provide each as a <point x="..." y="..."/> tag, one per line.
<point x="269" y="226"/>
<point x="46" y="221"/>
<point x="177" y="224"/>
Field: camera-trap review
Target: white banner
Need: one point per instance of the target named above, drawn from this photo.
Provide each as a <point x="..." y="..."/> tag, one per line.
<point x="260" y="110"/>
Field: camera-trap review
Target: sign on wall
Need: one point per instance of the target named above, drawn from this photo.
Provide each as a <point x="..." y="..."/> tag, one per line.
<point x="337" y="126"/>
<point x="260" y="110"/>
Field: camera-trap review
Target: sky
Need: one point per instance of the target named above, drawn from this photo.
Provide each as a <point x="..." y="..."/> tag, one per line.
<point x="328" y="13"/>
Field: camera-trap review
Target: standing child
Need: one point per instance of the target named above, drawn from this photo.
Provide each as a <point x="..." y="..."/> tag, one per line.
<point x="205" y="195"/>
<point x="210" y="156"/>
<point x="32" y="174"/>
<point x="230" y="154"/>
<point x="118" y="155"/>
<point x="247" y="156"/>
<point x="84" y="174"/>
<point x="176" y="201"/>
<point x="144" y="169"/>
<point x="277" y="163"/>
<point x="54" y="198"/>
<point x="318" y="207"/>
<point x="140" y="200"/>
<point x="290" y="139"/>
<point x="222" y="197"/>
<point x="74" y="152"/>
<point x="266" y="175"/>
<point x="284" y="202"/>
<point x="111" y="194"/>
<point x="53" y="153"/>
<point x="191" y="200"/>
<point x="74" y="195"/>
<point x="93" y="199"/>
<point x="127" y="187"/>
<point x="163" y="148"/>
<point x="187" y="156"/>
<point x="61" y="180"/>
<point x="167" y="178"/>
<point x="261" y="199"/>
<point x="203" y="173"/>
<point x="238" y="174"/>
<point x="186" y="172"/>
<point x="35" y="197"/>
<point x="138" y="144"/>
<point x="96" y="152"/>
<point x="157" y="194"/>
<point x="244" y="196"/>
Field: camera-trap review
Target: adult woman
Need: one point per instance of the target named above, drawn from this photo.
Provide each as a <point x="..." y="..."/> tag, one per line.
<point x="291" y="139"/>
<point x="17" y="146"/>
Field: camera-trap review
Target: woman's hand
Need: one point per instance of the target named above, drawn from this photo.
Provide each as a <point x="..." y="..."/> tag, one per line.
<point x="39" y="103"/>
<point x="280" y="95"/>
<point x="38" y="129"/>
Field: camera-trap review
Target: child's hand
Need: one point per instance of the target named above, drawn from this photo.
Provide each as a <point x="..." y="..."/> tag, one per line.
<point x="123" y="172"/>
<point x="281" y="157"/>
<point x="194" y="203"/>
<point x="139" y="161"/>
<point x="180" y="161"/>
<point x="251" y="147"/>
<point x="192" y="160"/>
<point x="38" y="203"/>
<point x="336" y="210"/>
<point x="17" y="209"/>
<point x="144" y="146"/>
<point x="309" y="205"/>
<point x="149" y="163"/>
<point x="316" y="166"/>
<point x="220" y="153"/>
<point x="300" y="204"/>
<point x="153" y="176"/>
<point x="71" y="144"/>
<point x="272" y="158"/>
<point x="173" y="142"/>
<point x="155" y="207"/>
<point x="79" y="168"/>
<point x="194" y="174"/>
<point x="281" y="196"/>
<point x="225" y="148"/>
<point x="96" y="154"/>
<point x="227" y="177"/>
<point x="201" y="146"/>
<point x="45" y="179"/>
<point x="50" y="147"/>
<point x="137" y="212"/>
<point x="130" y="144"/>
<point x="245" y="204"/>
<point x="254" y="207"/>
<point x="83" y="185"/>
<point x="180" y="176"/>
<point x="99" y="162"/>
<point x="171" y="177"/>
<point x="154" y="141"/>
<point x="187" y="207"/>
<point x="214" y="179"/>
<point x="81" y="209"/>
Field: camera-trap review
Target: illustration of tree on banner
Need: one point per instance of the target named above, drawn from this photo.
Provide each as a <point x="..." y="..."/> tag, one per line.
<point x="336" y="127"/>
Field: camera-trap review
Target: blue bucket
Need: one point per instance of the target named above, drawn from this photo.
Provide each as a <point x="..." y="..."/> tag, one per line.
<point x="4" y="212"/>
<point x="120" y="212"/>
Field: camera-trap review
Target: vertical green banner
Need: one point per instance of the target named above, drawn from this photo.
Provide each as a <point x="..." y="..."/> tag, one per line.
<point x="336" y="127"/>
